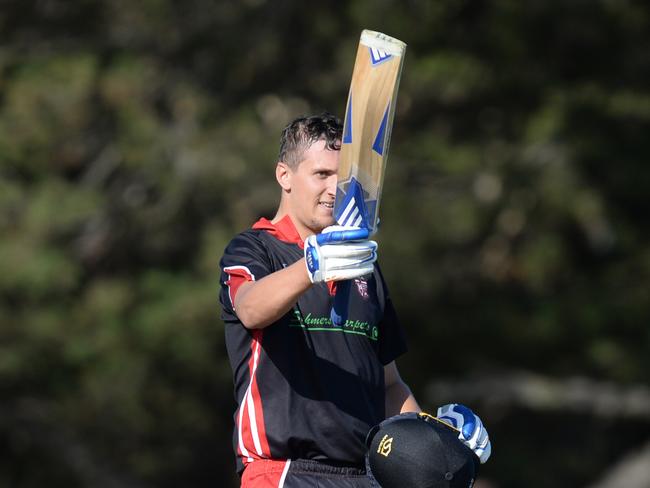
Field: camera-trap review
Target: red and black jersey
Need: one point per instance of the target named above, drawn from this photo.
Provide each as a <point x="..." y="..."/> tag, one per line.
<point x="305" y="388"/>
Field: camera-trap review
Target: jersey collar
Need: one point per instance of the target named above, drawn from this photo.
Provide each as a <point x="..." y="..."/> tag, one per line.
<point x="283" y="230"/>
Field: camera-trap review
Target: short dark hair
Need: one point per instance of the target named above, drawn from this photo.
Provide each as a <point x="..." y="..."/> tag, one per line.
<point x="304" y="131"/>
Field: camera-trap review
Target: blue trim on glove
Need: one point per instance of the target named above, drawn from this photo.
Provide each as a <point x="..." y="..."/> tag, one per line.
<point x="342" y="236"/>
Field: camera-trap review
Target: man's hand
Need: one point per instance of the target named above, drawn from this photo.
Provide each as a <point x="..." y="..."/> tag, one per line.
<point x="339" y="253"/>
<point x="471" y="430"/>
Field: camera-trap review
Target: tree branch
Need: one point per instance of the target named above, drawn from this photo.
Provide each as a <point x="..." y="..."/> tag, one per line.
<point x="523" y="389"/>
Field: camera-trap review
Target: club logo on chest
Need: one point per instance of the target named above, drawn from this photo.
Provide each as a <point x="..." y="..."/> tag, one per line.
<point x="362" y="287"/>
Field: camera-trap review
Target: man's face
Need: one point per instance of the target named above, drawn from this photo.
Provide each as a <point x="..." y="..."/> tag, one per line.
<point x="313" y="189"/>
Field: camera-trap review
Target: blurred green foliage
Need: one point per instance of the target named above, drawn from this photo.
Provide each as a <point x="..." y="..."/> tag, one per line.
<point x="136" y="138"/>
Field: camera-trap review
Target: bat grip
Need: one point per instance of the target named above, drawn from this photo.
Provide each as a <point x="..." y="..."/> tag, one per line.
<point x="339" y="313"/>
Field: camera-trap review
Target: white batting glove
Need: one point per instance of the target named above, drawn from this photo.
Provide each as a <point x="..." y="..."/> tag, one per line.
<point x="470" y="428"/>
<point x="339" y="253"/>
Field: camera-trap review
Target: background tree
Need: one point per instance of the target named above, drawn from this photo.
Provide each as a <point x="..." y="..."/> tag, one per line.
<point x="136" y="138"/>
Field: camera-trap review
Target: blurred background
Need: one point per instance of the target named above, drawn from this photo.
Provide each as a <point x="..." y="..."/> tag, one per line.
<point x="136" y="138"/>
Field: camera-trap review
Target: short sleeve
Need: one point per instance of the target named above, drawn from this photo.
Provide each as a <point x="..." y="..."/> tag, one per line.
<point x="392" y="340"/>
<point x="244" y="259"/>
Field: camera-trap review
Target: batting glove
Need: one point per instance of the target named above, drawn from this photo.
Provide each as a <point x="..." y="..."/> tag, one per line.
<point x="470" y="428"/>
<point x="339" y="253"/>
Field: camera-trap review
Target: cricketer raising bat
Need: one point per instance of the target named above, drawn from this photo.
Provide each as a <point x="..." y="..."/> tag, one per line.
<point x="366" y="136"/>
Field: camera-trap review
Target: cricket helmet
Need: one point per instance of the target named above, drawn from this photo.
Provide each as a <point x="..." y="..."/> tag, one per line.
<point x="419" y="451"/>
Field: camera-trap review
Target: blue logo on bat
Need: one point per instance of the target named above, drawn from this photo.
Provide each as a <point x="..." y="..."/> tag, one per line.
<point x="378" y="56"/>
<point x="378" y="145"/>
<point x="347" y="134"/>
<point x="354" y="209"/>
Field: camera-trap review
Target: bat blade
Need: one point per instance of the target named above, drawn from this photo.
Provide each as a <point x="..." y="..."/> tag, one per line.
<point x="366" y="136"/>
<point x="366" y="131"/>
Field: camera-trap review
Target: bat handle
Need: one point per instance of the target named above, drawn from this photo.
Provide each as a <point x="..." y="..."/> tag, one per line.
<point x="339" y="313"/>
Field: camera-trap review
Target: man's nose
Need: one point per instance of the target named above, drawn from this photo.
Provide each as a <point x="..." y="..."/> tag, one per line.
<point x="331" y="185"/>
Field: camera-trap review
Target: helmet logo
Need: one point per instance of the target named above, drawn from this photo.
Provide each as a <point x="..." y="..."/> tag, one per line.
<point x="385" y="446"/>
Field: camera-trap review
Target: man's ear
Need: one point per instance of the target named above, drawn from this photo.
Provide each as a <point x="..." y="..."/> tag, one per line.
<point x="283" y="175"/>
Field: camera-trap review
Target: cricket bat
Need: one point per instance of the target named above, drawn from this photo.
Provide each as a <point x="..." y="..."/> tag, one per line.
<point x="366" y="136"/>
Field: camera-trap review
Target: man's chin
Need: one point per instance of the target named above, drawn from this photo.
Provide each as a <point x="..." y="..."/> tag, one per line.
<point x="319" y="225"/>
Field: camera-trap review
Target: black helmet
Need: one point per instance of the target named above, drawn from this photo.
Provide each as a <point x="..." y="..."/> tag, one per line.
<point x="417" y="450"/>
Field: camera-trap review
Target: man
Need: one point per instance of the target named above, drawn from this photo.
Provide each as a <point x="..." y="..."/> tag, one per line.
<point x="308" y="391"/>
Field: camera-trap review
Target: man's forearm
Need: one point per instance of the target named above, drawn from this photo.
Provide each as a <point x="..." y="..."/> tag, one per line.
<point x="260" y="303"/>
<point x="399" y="399"/>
